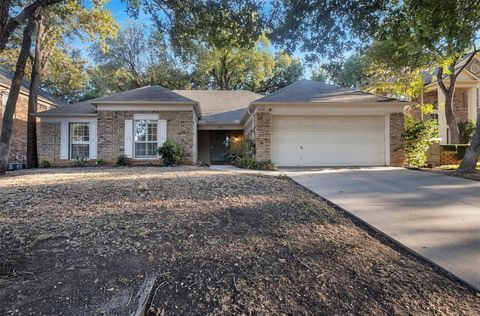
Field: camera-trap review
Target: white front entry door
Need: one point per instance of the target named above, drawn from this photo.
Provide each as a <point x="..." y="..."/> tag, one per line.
<point x="328" y="140"/>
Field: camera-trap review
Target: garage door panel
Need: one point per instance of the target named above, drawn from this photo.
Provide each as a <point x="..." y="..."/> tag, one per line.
<point x="328" y="141"/>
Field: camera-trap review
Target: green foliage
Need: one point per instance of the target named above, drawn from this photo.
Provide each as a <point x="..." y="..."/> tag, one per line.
<point x="251" y="68"/>
<point x="351" y="74"/>
<point x="122" y="160"/>
<point x="170" y="152"/>
<point x="319" y="74"/>
<point x="419" y="136"/>
<point x="222" y="23"/>
<point x="246" y="158"/>
<point x="467" y="129"/>
<point x="100" y="162"/>
<point x="325" y="28"/>
<point x="45" y="164"/>
<point x="79" y="161"/>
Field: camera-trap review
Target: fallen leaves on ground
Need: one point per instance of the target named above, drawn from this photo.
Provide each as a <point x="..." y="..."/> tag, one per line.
<point x="80" y="240"/>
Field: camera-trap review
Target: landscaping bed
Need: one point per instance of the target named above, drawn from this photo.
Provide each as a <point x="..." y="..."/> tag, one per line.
<point x="80" y="241"/>
<point x="451" y="170"/>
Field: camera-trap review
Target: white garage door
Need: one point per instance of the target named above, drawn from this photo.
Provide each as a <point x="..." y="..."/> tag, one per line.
<point x="328" y="140"/>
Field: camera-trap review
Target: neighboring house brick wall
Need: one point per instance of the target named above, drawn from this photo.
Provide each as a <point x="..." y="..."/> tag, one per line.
<point x="111" y="132"/>
<point x="18" y="144"/>
<point x="263" y="134"/>
<point x="397" y="151"/>
<point x="460" y="104"/>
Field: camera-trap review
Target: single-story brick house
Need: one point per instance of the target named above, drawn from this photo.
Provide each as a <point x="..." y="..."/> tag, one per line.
<point x="305" y="124"/>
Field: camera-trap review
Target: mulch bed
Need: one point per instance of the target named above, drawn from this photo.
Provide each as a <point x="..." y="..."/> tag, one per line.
<point x="453" y="173"/>
<point x="79" y="241"/>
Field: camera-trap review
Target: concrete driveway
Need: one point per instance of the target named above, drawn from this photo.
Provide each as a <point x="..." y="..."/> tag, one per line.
<point x="436" y="216"/>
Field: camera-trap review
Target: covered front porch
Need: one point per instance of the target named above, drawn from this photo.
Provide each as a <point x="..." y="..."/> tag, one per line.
<point x="216" y="146"/>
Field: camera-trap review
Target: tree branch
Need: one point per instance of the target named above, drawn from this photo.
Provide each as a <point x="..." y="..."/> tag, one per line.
<point x="14" y="22"/>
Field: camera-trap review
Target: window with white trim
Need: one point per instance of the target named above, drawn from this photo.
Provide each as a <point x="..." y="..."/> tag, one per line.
<point x="79" y="140"/>
<point x="145" y="138"/>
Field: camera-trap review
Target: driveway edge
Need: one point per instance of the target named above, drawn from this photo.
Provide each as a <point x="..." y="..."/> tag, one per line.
<point x="392" y="242"/>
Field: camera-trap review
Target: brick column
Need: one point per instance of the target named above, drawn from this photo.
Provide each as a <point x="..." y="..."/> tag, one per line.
<point x="263" y="134"/>
<point x="397" y="151"/>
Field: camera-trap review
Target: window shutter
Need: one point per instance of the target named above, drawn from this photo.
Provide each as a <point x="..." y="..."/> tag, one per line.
<point x="162" y="132"/>
<point x="64" y="140"/>
<point x="93" y="140"/>
<point x="129" y="138"/>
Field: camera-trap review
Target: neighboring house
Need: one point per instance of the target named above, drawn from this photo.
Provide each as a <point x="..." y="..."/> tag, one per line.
<point x="305" y="124"/>
<point x="18" y="146"/>
<point x="466" y="97"/>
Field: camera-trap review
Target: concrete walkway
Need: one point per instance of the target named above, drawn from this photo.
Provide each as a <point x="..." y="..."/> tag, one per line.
<point x="436" y="216"/>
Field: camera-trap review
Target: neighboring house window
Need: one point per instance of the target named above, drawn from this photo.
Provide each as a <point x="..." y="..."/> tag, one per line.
<point x="79" y="140"/>
<point x="145" y="138"/>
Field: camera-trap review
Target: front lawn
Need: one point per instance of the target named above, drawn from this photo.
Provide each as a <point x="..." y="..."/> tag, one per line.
<point x="79" y="241"/>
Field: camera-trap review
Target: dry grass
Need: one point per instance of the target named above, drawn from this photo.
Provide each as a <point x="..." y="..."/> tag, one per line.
<point x="79" y="241"/>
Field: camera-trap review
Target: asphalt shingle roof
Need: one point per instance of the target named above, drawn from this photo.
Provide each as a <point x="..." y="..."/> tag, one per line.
<point x="75" y="109"/>
<point x="6" y="77"/>
<point x="305" y="91"/>
<point x="222" y="106"/>
<point x="146" y="94"/>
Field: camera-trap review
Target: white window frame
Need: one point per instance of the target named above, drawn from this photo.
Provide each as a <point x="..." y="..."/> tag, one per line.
<point x="135" y="142"/>
<point x="71" y="143"/>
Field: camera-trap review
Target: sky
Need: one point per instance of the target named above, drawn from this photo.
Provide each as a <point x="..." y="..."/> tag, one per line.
<point x="119" y="12"/>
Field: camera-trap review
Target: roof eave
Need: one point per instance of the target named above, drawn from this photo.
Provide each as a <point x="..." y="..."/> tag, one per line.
<point x="66" y="115"/>
<point x="195" y="104"/>
<point x="336" y="103"/>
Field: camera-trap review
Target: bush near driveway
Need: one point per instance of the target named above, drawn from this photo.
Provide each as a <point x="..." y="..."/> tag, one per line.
<point x="79" y="241"/>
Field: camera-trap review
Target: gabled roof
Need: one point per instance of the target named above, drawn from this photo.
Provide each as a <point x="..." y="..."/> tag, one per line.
<point x="221" y="106"/>
<point x="6" y="77"/>
<point x="149" y="94"/>
<point x="429" y="77"/>
<point x="139" y="96"/>
<point x="310" y="91"/>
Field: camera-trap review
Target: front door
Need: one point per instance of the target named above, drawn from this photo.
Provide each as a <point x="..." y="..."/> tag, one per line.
<point x="217" y="146"/>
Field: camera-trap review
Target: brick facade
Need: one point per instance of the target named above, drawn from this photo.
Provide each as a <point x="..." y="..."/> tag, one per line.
<point x="263" y="134"/>
<point x="111" y="136"/>
<point x="18" y="145"/>
<point x="111" y="132"/>
<point x="397" y="151"/>
<point x="49" y="144"/>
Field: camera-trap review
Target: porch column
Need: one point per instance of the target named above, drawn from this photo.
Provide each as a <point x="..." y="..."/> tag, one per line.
<point x="472" y="103"/>
<point x="442" y="119"/>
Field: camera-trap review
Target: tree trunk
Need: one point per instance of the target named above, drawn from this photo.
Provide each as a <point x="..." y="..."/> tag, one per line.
<point x="469" y="162"/>
<point x="451" y="119"/>
<point x="449" y="93"/>
<point x="9" y="24"/>
<point x="13" y="95"/>
<point x="35" y="81"/>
